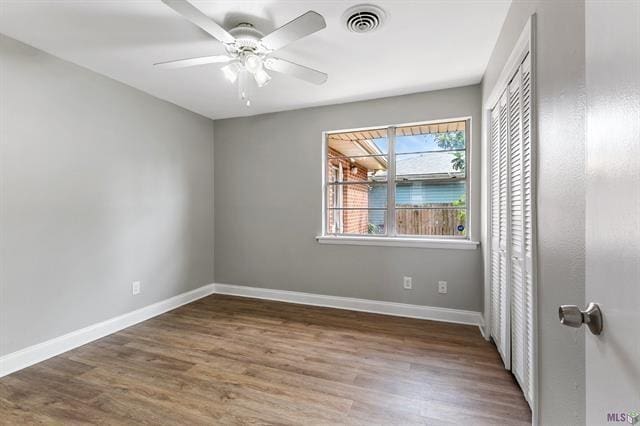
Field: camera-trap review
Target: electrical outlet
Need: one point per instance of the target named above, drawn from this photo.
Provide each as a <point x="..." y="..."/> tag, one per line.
<point x="442" y="287"/>
<point x="407" y="284"/>
<point x="135" y="287"/>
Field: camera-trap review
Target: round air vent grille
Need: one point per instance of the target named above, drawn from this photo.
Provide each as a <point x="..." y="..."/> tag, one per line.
<point x="364" y="18"/>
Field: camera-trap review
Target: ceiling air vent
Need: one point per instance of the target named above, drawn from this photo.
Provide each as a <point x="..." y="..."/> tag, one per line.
<point x="364" y="18"/>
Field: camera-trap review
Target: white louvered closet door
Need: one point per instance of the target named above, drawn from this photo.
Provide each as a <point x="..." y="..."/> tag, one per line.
<point x="521" y="228"/>
<point x="516" y="231"/>
<point x="528" y="245"/>
<point x="494" y="224"/>
<point x="499" y="227"/>
<point x="512" y="228"/>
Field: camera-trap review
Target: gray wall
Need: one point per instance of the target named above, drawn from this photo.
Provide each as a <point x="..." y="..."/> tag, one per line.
<point x="268" y="207"/>
<point x="561" y="193"/>
<point x="100" y="185"/>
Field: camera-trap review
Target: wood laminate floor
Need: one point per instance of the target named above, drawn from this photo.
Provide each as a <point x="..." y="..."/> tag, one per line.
<point x="230" y="360"/>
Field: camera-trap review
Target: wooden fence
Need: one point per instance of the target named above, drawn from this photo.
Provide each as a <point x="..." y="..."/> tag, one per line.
<point x="432" y="221"/>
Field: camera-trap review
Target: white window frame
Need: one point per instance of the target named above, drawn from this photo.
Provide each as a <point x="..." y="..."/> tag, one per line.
<point x="391" y="238"/>
<point x="338" y="200"/>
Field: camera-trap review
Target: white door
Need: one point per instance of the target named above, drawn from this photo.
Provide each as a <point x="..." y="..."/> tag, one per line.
<point x="512" y="218"/>
<point x="500" y="313"/>
<point x="521" y="219"/>
<point x="613" y="209"/>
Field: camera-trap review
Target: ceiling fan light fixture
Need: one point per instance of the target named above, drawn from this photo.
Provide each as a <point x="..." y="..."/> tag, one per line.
<point x="253" y="63"/>
<point x="248" y="50"/>
<point x="231" y="71"/>
<point x="261" y="77"/>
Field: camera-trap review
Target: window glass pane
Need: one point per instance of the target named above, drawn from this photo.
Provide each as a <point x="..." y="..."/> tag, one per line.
<point x="425" y="194"/>
<point x="356" y="169"/>
<point x="356" y="221"/>
<point x="431" y="221"/>
<point x="431" y="137"/>
<point x="357" y="196"/>
<point x="429" y="182"/>
<point x="431" y="165"/>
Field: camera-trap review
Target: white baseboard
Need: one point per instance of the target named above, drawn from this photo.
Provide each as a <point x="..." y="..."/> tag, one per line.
<point x="33" y="354"/>
<point x="485" y="331"/>
<point x="363" y="305"/>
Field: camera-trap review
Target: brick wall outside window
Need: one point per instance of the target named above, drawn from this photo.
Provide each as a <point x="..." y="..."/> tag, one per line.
<point x="354" y="196"/>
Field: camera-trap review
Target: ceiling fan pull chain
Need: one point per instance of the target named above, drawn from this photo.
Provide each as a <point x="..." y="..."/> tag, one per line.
<point x="244" y="87"/>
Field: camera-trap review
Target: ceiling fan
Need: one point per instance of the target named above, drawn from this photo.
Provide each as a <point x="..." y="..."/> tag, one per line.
<point x="249" y="51"/>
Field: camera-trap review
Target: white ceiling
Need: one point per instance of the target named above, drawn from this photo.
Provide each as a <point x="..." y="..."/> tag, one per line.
<point x="424" y="45"/>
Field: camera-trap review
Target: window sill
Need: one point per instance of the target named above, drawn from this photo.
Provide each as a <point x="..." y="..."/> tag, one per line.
<point x="443" y="243"/>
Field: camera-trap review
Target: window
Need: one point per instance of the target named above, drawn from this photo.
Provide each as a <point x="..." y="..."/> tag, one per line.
<point x="398" y="181"/>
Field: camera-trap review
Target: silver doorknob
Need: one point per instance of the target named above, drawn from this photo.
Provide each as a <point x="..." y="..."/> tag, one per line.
<point x="572" y="316"/>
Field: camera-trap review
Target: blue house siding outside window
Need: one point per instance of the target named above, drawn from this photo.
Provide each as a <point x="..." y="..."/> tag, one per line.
<point x="417" y="193"/>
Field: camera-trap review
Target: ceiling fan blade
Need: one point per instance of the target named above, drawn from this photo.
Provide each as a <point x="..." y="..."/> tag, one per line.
<point x="193" y="14"/>
<point x="191" y="62"/>
<point x="302" y="26"/>
<point x="299" y="71"/>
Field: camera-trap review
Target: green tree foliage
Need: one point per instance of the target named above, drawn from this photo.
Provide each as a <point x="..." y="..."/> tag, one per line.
<point x="373" y="229"/>
<point x="462" y="214"/>
<point x="458" y="161"/>
<point x="450" y="140"/>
